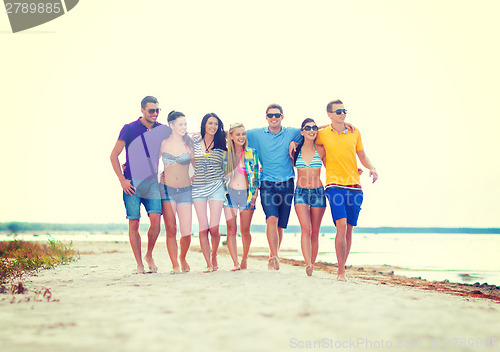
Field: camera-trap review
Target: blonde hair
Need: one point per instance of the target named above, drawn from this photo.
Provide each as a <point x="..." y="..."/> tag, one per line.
<point x="232" y="162"/>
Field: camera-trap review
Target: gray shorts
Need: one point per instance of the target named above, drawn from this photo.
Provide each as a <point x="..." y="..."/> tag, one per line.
<point x="177" y="195"/>
<point x="237" y="198"/>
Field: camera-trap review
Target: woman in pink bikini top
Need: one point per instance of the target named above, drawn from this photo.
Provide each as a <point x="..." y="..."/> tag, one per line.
<point x="241" y="167"/>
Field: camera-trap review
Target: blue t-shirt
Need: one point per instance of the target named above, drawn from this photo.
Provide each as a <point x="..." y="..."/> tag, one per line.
<point x="137" y="164"/>
<point x="272" y="149"/>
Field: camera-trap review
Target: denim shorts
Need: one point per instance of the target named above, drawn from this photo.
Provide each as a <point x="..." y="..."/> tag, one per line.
<point x="237" y="199"/>
<point x="276" y="199"/>
<point x="177" y="195"/>
<point x="345" y="203"/>
<point x="314" y="197"/>
<point x="219" y="194"/>
<point x="148" y="193"/>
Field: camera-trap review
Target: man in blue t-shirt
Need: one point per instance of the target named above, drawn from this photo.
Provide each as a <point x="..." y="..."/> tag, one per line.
<point x="142" y="140"/>
<point x="276" y="180"/>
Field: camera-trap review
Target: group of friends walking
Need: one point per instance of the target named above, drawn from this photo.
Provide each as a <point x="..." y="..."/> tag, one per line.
<point x="230" y="169"/>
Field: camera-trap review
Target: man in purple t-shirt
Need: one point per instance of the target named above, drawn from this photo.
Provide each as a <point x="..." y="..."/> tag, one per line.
<point x="141" y="140"/>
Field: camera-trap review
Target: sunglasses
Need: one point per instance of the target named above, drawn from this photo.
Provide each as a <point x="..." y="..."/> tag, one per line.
<point x="273" y="115"/>
<point x="308" y="128"/>
<point x="340" y="111"/>
<point x="152" y="111"/>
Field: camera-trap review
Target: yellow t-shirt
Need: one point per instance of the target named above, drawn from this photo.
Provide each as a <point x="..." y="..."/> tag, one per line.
<point x="341" y="164"/>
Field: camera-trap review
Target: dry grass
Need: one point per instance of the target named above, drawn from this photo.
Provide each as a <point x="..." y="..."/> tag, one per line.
<point x="20" y="258"/>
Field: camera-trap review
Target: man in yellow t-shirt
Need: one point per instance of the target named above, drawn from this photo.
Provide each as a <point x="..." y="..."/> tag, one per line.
<point x="343" y="188"/>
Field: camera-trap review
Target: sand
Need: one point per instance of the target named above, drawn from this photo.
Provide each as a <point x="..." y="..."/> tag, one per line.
<point x="95" y="304"/>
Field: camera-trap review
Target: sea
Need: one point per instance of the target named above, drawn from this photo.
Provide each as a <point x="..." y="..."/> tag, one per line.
<point x="456" y="257"/>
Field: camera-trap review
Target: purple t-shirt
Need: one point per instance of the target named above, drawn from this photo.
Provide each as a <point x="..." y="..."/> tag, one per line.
<point x="137" y="164"/>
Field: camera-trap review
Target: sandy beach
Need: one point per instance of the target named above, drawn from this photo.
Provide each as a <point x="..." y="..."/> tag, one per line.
<point x="95" y="304"/>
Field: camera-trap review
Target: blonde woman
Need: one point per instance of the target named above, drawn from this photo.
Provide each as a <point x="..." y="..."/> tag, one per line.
<point x="241" y="166"/>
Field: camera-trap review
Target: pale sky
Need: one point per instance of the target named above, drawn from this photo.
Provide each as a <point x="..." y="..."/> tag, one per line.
<point x="419" y="78"/>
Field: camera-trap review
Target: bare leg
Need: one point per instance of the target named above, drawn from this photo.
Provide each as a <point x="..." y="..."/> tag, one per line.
<point x="280" y="237"/>
<point x="135" y="243"/>
<point x="215" y="240"/>
<point x="230" y="214"/>
<point x="184" y="212"/>
<point x="302" y="211"/>
<point x="348" y="240"/>
<point x="246" y="237"/>
<point x="215" y="214"/>
<point x="171" y="229"/>
<point x="200" y="207"/>
<point x="185" y="243"/>
<point x="153" y="232"/>
<point x="273" y="240"/>
<point x="341" y="247"/>
<point x="316" y="217"/>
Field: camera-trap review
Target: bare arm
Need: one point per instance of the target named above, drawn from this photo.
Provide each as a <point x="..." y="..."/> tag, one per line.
<point x="193" y="163"/>
<point x="321" y="152"/>
<point x="292" y="147"/>
<point x="162" y="150"/>
<point x="115" y="163"/>
<point x="368" y="164"/>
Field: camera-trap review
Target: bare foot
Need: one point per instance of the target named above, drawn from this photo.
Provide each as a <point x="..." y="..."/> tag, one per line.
<point x="209" y="269"/>
<point x="151" y="263"/>
<point x="139" y="270"/>
<point x="309" y="269"/>
<point x="236" y="268"/>
<point x="273" y="263"/>
<point x="176" y="270"/>
<point x="342" y="277"/>
<point x="270" y="263"/>
<point x="185" y="266"/>
<point x="243" y="264"/>
<point x="214" y="262"/>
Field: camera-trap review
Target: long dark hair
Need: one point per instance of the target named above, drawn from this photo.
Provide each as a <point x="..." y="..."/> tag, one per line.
<point x="299" y="147"/>
<point x="172" y="116"/>
<point x="220" y="135"/>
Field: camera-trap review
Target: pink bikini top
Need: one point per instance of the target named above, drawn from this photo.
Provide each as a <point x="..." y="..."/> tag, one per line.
<point x="242" y="169"/>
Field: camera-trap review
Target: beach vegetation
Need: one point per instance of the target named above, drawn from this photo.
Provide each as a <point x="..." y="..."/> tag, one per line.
<point x="21" y="258"/>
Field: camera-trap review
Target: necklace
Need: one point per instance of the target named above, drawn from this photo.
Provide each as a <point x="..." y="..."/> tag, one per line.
<point x="207" y="148"/>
